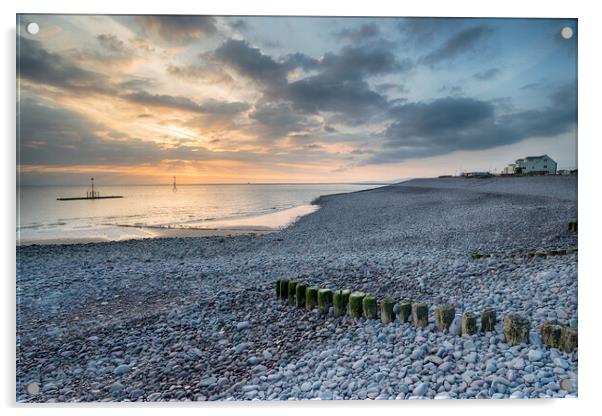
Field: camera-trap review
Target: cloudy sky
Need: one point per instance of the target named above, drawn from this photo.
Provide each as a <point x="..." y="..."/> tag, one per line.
<point x="138" y="99"/>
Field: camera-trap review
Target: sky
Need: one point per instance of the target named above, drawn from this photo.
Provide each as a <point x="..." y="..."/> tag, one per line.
<point x="213" y="99"/>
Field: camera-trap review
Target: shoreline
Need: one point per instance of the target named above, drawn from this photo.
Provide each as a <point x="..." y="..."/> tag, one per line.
<point x="158" y="233"/>
<point x="256" y="224"/>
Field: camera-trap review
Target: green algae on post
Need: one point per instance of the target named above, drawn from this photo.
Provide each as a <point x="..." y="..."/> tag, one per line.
<point x="420" y="314"/>
<point x="284" y="289"/>
<point x="300" y="295"/>
<point x="292" y="288"/>
<point x="568" y="339"/>
<point x="405" y="311"/>
<point x="444" y="316"/>
<point x="324" y="300"/>
<point x="516" y="329"/>
<point x="370" y="307"/>
<point x="488" y="320"/>
<point x="386" y="311"/>
<point x="311" y="298"/>
<point x="355" y="304"/>
<point x="469" y="324"/>
<point x="278" y="288"/>
<point x="551" y="331"/>
<point x="340" y="300"/>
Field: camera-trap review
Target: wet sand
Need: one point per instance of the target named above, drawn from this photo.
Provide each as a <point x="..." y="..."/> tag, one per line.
<point x="260" y="224"/>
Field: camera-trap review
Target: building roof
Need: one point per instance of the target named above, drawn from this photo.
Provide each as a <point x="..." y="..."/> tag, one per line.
<point x="536" y="157"/>
<point x="529" y="158"/>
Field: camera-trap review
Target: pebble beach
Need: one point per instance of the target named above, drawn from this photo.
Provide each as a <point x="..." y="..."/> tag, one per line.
<point x="197" y="319"/>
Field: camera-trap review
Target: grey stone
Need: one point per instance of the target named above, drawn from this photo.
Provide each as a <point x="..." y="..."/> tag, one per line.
<point x="116" y="388"/>
<point x="122" y="369"/>
<point x="456" y="326"/>
<point x="561" y="362"/>
<point x="358" y="364"/>
<point x="421" y="389"/>
<point x="136" y="393"/>
<point x="433" y="359"/>
<point x="208" y="382"/>
<point x="241" y="326"/>
<point x="518" y="363"/>
<point x="241" y="347"/>
<point x="535" y="355"/>
<point x="253" y="360"/>
<point x="153" y="397"/>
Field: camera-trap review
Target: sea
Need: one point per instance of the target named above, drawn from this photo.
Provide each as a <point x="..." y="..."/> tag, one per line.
<point x="41" y="217"/>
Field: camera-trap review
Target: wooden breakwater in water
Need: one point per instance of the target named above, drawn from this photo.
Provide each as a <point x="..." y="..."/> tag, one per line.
<point x="89" y="197"/>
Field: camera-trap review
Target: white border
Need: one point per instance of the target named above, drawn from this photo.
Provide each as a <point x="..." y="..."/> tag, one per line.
<point x="590" y="22"/>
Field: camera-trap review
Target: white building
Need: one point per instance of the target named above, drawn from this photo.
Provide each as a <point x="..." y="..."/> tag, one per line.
<point x="536" y="164"/>
<point x="509" y="170"/>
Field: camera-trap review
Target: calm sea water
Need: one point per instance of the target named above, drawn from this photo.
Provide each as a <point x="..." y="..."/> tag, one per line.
<point x="41" y="217"/>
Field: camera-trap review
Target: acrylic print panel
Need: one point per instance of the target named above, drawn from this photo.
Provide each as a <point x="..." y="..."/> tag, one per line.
<point x="275" y="208"/>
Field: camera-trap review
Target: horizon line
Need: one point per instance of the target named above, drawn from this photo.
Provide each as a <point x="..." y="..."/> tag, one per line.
<point x="234" y="183"/>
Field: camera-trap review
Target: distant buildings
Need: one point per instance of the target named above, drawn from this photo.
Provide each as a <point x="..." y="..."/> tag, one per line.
<point x="534" y="165"/>
<point x="530" y="165"/>
<point x="477" y="174"/>
<point x="565" y="172"/>
<point x="509" y="170"/>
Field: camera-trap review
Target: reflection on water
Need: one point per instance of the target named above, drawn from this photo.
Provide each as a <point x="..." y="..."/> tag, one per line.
<point x="40" y="216"/>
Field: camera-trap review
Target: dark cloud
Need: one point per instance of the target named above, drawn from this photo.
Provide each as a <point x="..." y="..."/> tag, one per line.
<point x="531" y="86"/>
<point x="352" y="98"/>
<point x="338" y="83"/>
<point x="137" y="83"/>
<point x="239" y="24"/>
<point x="487" y="74"/>
<point x="460" y="43"/>
<point x="249" y="61"/>
<point x="558" y="117"/>
<point x="276" y="119"/>
<point x="352" y="63"/>
<point x="503" y="105"/>
<point x="184" y="103"/>
<point x="110" y="51"/>
<point x="206" y="72"/>
<point x="386" y="87"/>
<point x="176" y="29"/>
<point x="162" y="100"/>
<point x="362" y="152"/>
<point x="458" y="123"/>
<point x="423" y="31"/>
<point x="212" y="106"/>
<point x="299" y="60"/>
<point x="112" y="43"/>
<point x="358" y="34"/>
<point x="453" y="90"/>
<point x="38" y="65"/>
<point x="356" y="62"/>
